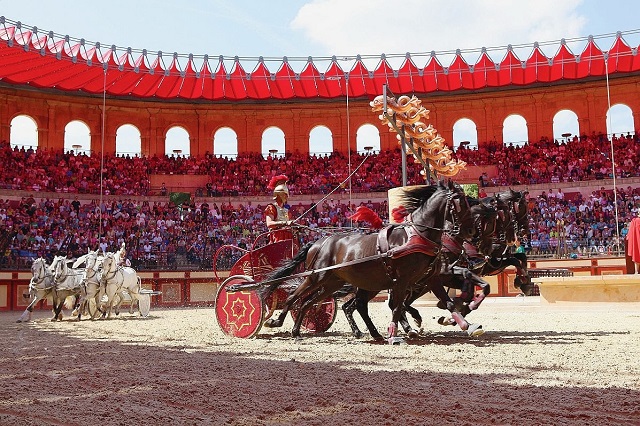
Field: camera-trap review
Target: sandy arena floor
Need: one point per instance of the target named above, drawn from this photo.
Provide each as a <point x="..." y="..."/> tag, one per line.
<point x="536" y="364"/>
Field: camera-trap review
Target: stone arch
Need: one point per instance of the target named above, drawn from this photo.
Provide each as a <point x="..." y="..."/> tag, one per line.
<point x="225" y="143"/>
<point x="465" y="132"/>
<point x="620" y="120"/>
<point x="24" y="132"/>
<point x="367" y="136"/>
<point x="565" y="125"/>
<point x="177" y="142"/>
<point x="320" y="140"/>
<point x="77" y="137"/>
<point x="514" y="130"/>
<point x="128" y="141"/>
<point x="273" y="141"/>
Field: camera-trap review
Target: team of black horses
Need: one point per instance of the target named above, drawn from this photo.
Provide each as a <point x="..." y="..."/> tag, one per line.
<point x="446" y="240"/>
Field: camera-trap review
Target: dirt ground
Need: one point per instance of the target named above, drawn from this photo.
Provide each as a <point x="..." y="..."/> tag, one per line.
<point x="536" y="364"/>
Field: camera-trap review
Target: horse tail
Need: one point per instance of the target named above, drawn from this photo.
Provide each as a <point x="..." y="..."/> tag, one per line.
<point x="70" y="302"/>
<point x="288" y="267"/>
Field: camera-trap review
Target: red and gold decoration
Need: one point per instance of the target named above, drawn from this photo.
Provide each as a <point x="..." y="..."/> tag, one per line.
<point x="406" y="116"/>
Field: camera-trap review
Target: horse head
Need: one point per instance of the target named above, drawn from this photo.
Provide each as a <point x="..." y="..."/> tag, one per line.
<point x="109" y="263"/>
<point x="439" y="207"/>
<point x="92" y="261"/>
<point x="485" y="216"/>
<point x="521" y="211"/>
<point x="39" y="269"/>
<point x="505" y="223"/>
<point x="459" y="211"/>
<point x="59" y="268"/>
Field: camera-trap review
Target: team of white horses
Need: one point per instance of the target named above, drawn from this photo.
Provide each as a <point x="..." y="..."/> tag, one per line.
<point x="100" y="287"/>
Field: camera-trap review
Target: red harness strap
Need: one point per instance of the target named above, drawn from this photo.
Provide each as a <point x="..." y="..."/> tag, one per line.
<point x="415" y="244"/>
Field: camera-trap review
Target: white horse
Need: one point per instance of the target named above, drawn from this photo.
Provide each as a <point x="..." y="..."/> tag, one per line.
<point x="91" y="284"/>
<point x="67" y="283"/>
<point x="118" y="280"/>
<point x="41" y="286"/>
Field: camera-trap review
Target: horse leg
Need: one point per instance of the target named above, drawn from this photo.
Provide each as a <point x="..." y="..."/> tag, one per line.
<point x="349" y="308"/>
<point x="306" y="286"/>
<point x="362" y="306"/>
<point x="134" y="303"/>
<point x="415" y="314"/>
<point x="26" y="315"/>
<point x="457" y="316"/>
<point x="403" y="320"/>
<point x="396" y="303"/>
<point x="111" y="295"/>
<point x="479" y="297"/>
<point x="58" y="302"/>
<point x="308" y="301"/>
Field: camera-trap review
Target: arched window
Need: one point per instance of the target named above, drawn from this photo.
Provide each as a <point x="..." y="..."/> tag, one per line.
<point x="176" y="142"/>
<point x="273" y="142"/>
<point x="225" y="143"/>
<point x="77" y="138"/>
<point x="565" y="125"/>
<point x="367" y="138"/>
<point x="620" y="120"/>
<point x="465" y="133"/>
<point x="514" y="130"/>
<point x="320" y="141"/>
<point x="128" y="141"/>
<point x="24" y="132"/>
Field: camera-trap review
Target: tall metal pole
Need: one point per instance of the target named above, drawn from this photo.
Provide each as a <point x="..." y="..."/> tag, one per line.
<point x="346" y="80"/>
<point x="613" y="160"/>
<point x="403" y="143"/>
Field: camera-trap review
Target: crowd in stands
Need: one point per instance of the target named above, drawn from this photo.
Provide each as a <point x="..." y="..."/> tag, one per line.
<point x="544" y="161"/>
<point x="550" y="161"/>
<point x="158" y="234"/>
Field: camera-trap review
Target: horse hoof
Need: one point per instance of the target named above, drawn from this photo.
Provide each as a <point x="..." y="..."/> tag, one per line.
<point x="271" y="323"/>
<point x="413" y="334"/>
<point x="446" y="321"/>
<point x="395" y="340"/>
<point x="377" y="337"/>
<point x="475" y="330"/>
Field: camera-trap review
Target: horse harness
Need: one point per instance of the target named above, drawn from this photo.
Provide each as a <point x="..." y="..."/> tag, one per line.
<point x="418" y="242"/>
<point x="33" y="284"/>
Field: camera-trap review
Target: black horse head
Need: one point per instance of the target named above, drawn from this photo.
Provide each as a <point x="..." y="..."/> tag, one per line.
<point x="485" y="215"/>
<point x="421" y="202"/>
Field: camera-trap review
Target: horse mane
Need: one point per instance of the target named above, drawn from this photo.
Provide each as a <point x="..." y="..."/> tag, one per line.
<point x="488" y="207"/>
<point x="511" y="195"/>
<point x="413" y="198"/>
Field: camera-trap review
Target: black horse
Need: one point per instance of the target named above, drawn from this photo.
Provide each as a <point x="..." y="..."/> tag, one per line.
<point x="395" y="258"/>
<point x="456" y="251"/>
<point x="512" y="224"/>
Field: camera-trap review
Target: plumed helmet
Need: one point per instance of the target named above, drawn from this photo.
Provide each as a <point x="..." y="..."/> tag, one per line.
<point x="279" y="185"/>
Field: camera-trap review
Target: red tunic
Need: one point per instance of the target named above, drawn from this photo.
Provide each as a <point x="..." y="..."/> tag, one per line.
<point x="278" y="214"/>
<point x="633" y="237"/>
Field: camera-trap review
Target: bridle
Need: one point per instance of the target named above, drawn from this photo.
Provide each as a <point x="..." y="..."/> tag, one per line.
<point x="452" y="209"/>
<point x="41" y="276"/>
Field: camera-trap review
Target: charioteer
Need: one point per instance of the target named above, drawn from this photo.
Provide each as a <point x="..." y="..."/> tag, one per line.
<point x="277" y="213"/>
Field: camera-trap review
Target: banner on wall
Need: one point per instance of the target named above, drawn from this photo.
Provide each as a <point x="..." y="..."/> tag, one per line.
<point x="180" y="198"/>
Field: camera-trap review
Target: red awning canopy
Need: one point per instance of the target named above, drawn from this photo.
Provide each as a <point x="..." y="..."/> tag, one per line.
<point x="31" y="58"/>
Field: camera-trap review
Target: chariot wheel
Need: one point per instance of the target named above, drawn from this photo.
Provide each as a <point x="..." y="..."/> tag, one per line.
<point x="144" y="304"/>
<point x="239" y="313"/>
<point x="319" y="317"/>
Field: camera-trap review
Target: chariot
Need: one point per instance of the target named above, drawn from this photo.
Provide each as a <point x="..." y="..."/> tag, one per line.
<point x="244" y="300"/>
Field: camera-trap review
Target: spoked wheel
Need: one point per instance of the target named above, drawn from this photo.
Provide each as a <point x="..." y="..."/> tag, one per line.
<point x="319" y="317"/>
<point x="239" y="313"/>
